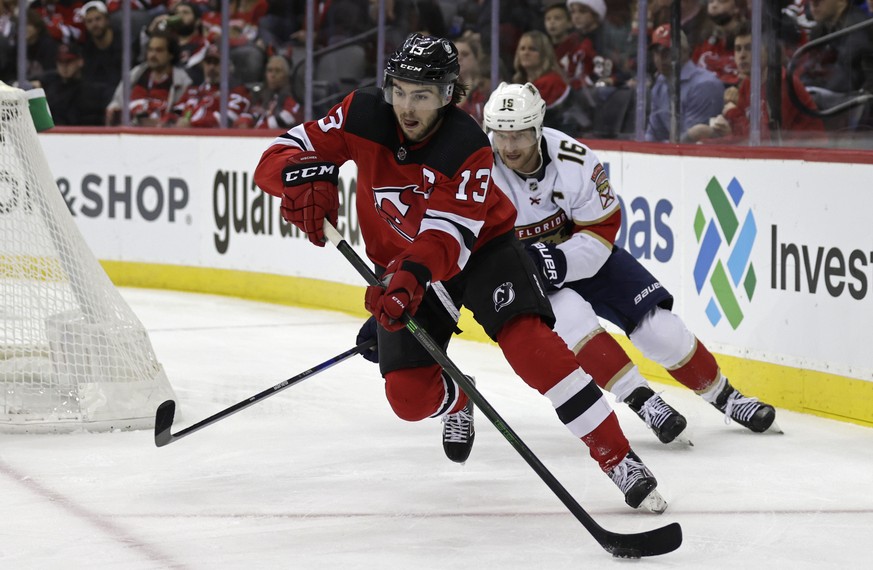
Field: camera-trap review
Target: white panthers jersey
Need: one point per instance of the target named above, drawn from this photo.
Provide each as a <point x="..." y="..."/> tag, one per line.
<point x="569" y="202"/>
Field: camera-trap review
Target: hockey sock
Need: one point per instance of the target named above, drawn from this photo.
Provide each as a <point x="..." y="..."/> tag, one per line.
<point x="545" y="363"/>
<point x="607" y="443"/>
<point x="605" y="360"/>
<point x="698" y="371"/>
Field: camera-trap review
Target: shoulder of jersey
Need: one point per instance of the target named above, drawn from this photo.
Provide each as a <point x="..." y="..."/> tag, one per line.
<point x="461" y="134"/>
<point x="369" y="117"/>
<point x="555" y="138"/>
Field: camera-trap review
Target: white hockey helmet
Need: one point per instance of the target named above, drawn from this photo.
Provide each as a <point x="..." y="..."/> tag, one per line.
<point x="515" y="107"/>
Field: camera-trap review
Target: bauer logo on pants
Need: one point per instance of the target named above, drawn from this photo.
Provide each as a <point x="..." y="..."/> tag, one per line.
<point x="503" y="296"/>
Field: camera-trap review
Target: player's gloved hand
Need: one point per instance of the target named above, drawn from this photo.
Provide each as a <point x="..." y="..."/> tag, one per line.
<point x="551" y="263"/>
<point x="310" y="194"/>
<point x="367" y="332"/>
<point x="405" y="284"/>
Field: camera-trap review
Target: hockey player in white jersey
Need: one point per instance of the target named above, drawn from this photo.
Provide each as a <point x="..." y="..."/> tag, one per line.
<point x="568" y="218"/>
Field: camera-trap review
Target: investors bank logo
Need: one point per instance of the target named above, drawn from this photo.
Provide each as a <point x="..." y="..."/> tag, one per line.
<point x="723" y="272"/>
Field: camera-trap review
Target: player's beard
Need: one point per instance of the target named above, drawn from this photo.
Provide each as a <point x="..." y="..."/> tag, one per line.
<point x="422" y="130"/>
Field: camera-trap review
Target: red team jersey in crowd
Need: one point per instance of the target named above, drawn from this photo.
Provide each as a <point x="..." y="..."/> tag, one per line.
<point x="552" y="87"/>
<point x="279" y="111"/>
<point x="795" y="124"/>
<point x="576" y="56"/>
<point x="149" y="96"/>
<point x="433" y="202"/>
<point x="715" y="55"/>
<point x="202" y="104"/>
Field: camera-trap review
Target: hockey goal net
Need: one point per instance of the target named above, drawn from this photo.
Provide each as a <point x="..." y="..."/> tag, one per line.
<point x="73" y="356"/>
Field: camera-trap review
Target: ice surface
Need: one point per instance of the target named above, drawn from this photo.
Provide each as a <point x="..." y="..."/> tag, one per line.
<point x="324" y="476"/>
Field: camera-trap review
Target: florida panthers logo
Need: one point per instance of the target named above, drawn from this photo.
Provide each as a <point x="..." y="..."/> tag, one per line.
<point x="502" y="296"/>
<point x="402" y="208"/>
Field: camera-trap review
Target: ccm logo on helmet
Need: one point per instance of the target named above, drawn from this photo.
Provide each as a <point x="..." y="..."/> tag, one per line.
<point x="410" y="67"/>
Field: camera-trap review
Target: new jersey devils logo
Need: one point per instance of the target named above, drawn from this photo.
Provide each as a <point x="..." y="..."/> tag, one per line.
<point x="400" y="208"/>
<point x="503" y="296"/>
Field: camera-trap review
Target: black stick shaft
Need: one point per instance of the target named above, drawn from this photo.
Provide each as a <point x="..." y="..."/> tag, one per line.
<point x="164" y="418"/>
<point x="659" y="541"/>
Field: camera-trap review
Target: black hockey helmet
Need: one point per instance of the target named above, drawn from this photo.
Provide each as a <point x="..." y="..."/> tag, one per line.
<point x="424" y="59"/>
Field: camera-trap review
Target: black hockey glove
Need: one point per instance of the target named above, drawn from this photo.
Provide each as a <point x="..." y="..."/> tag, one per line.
<point x="550" y="262"/>
<point x="367" y="332"/>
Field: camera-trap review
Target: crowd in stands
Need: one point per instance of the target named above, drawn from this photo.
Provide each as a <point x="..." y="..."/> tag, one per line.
<point x="581" y="54"/>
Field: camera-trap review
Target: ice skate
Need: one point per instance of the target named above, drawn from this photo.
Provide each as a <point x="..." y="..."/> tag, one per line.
<point x="638" y="484"/>
<point x="667" y="424"/>
<point x="459" y="433"/>
<point x="749" y="412"/>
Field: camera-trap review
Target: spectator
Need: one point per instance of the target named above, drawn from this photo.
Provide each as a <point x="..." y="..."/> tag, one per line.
<point x="278" y="24"/>
<point x="795" y="25"/>
<point x="156" y="84"/>
<point x="844" y="64"/>
<point x="716" y="51"/>
<point x="185" y="22"/>
<point x="475" y="74"/>
<point x="568" y="47"/>
<point x="701" y="94"/>
<point x="616" y="43"/>
<point x="733" y="123"/>
<point x="200" y="105"/>
<point x="557" y="24"/>
<point x="692" y="13"/>
<point x="273" y="105"/>
<point x="101" y="50"/>
<point x="141" y="13"/>
<point x="247" y="49"/>
<point x="8" y="19"/>
<point x="61" y="19"/>
<point x="72" y="100"/>
<point x="587" y="17"/>
<point x="515" y="18"/>
<point x="41" y="47"/>
<point x="535" y="62"/>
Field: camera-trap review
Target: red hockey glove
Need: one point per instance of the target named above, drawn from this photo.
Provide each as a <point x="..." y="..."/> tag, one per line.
<point x="310" y="194"/>
<point x="402" y="294"/>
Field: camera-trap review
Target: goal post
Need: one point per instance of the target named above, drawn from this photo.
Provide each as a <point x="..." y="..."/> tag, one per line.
<point x="73" y="355"/>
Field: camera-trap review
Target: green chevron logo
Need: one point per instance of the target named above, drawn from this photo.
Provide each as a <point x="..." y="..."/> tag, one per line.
<point x="723" y="271"/>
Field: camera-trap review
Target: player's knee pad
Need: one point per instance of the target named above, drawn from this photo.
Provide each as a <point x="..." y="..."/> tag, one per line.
<point x="575" y="317"/>
<point x="415" y="393"/>
<point x="663" y="337"/>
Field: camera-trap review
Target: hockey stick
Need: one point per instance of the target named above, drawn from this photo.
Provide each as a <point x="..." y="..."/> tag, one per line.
<point x="650" y="543"/>
<point x="167" y="411"/>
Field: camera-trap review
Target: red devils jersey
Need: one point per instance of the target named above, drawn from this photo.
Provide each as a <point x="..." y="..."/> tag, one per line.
<point x="432" y="202"/>
<point x="202" y="104"/>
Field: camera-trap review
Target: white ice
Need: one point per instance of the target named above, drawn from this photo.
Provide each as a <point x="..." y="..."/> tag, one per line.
<point x="324" y="476"/>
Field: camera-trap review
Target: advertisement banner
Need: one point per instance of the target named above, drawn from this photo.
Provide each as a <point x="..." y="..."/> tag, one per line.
<point x="767" y="259"/>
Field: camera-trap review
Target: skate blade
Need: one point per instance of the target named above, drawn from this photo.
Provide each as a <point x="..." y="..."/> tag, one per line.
<point x="774" y="428"/>
<point x="654" y="503"/>
<point x="681" y="440"/>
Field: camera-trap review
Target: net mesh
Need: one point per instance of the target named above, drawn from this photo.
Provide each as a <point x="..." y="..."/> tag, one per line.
<point x="72" y="353"/>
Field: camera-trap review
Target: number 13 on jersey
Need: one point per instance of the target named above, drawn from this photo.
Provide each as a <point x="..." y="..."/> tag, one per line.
<point x="480" y="180"/>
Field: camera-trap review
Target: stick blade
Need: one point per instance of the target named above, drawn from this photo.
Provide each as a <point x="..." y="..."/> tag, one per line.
<point x="163" y="422"/>
<point x="650" y="543"/>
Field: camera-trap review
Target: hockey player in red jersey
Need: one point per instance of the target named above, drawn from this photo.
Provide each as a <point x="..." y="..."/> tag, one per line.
<point x="568" y="217"/>
<point x="440" y="234"/>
